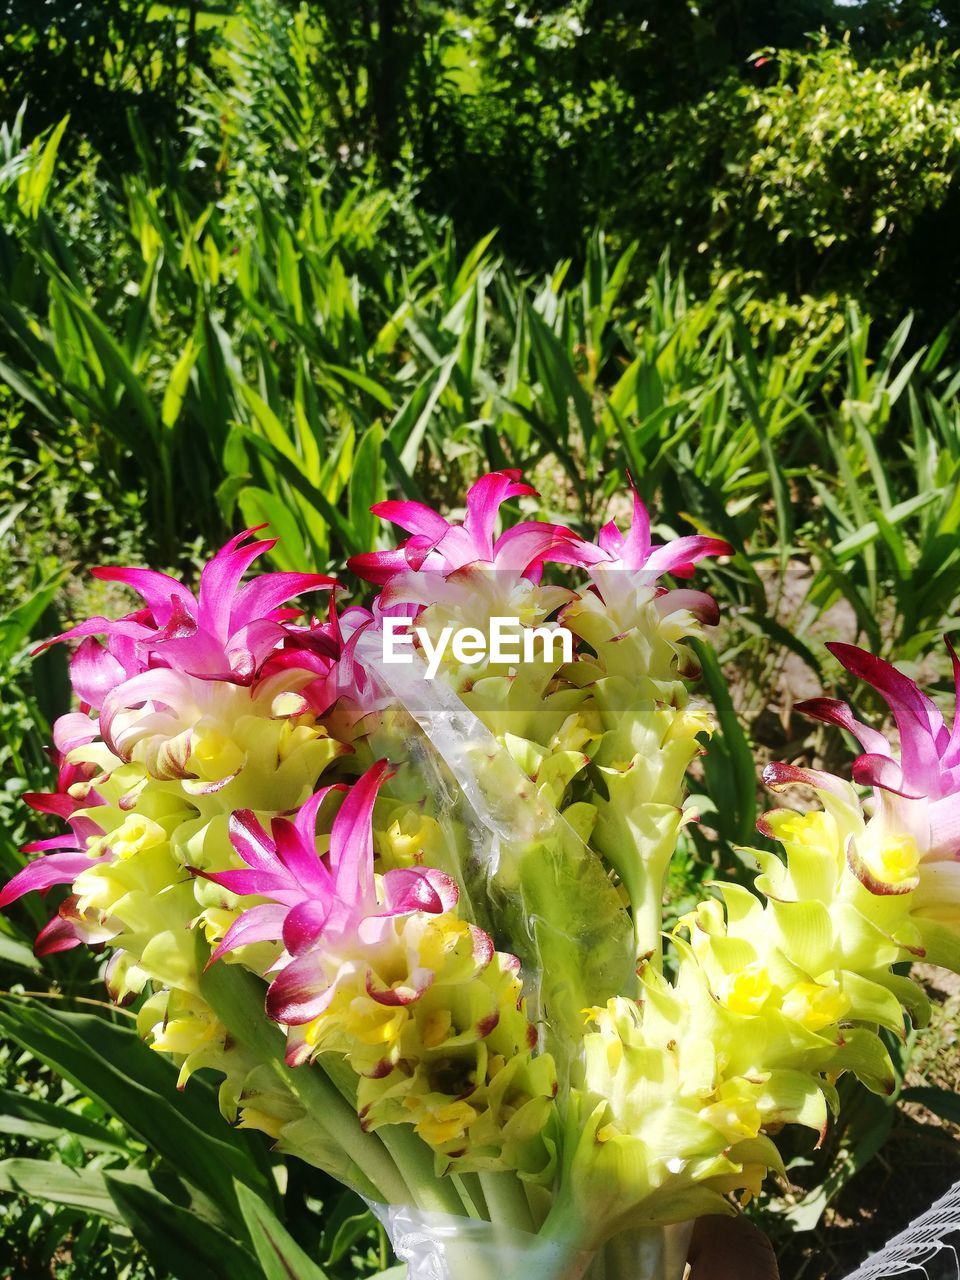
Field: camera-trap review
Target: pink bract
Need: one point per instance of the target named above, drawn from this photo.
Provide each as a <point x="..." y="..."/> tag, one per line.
<point x="438" y="546"/>
<point x="225" y="632"/>
<point x="313" y="896"/>
<point x="928" y="767"/>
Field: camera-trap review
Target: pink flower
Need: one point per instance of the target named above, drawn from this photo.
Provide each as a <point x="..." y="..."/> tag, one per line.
<point x="224" y="633"/>
<point x="437" y="546"/>
<point x="333" y="900"/>
<point x="65" y="855"/>
<point x="635" y="550"/>
<point x="928" y="768"/>
<point x="626" y="569"/>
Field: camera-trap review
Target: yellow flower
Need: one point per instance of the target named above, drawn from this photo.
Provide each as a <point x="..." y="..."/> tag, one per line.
<point x="814" y="1005"/>
<point x="214" y="755"/>
<point x="262" y="1121"/>
<point x="216" y="921"/>
<point x="295" y="734"/>
<point x="446" y="1122"/>
<point x="735" y="1116"/>
<point x="815" y="830"/>
<point x="134" y="834"/>
<point x="893" y="860"/>
<point x="747" y="991"/>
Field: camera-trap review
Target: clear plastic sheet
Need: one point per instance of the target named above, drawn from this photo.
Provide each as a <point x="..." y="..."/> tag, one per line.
<point x="548" y="885"/>
<point x="437" y="1247"/>
<point x="928" y="1247"/>
<point x="553" y="903"/>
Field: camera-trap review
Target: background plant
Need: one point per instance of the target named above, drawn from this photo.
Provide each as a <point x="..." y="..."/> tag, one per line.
<point x="236" y="287"/>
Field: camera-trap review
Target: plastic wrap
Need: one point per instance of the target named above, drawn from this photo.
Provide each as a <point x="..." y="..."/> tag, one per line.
<point x="525" y="864"/>
<point x="438" y="1247"/>
<point x="550" y="887"/>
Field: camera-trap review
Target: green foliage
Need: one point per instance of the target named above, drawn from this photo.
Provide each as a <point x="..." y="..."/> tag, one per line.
<point x="830" y="176"/>
<point x="832" y="142"/>
<point x="124" y="1152"/>
<point x="297" y="305"/>
<point x="96" y="59"/>
<point x="732" y="133"/>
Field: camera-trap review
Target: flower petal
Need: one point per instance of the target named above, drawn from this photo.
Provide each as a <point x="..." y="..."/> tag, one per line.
<point x="299" y="993"/>
<point x="484" y="501"/>
<point x="679" y="557"/>
<point x="833" y="711"/>
<point x="262" y="923"/>
<point x="94" y="671"/>
<point x="257" y="599"/>
<point x="220" y="578"/>
<point x="414" y="517"/>
<point x="527" y="543"/>
<point x="922" y="731"/>
<point x="38" y="876"/>
<point x="57" y="935"/>
<point x="378" y="567"/>
<point x="881" y="771"/>
<point x="159" y="591"/>
<point x="403" y="992"/>
<point x="408" y="889"/>
<point x="253" y="844"/>
<point x="351" y="837"/>
<point x="304" y="924"/>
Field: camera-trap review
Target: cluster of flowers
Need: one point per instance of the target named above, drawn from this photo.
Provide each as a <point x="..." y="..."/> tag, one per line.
<point x="249" y="794"/>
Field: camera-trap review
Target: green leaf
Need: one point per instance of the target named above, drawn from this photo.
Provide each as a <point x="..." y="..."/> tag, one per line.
<point x="49" y="1183"/>
<point x="735" y="741"/>
<point x="944" y="1103"/>
<point x="356" y="1158"/>
<point x="408" y="426"/>
<point x="278" y="1253"/>
<point x="177" y="384"/>
<point x="118" y="373"/>
<point x="361" y="381"/>
<point x="111" y="1065"/>
<point x="367" y="485"/>
<point x="748" y="379"/>
<point x="24" y="386"/>
<point x="558" y="376"/>
<point x="34" y="182"/>
<point x="17" y="953"/>
<point x="17" y="626"/>
<point x="47" y="1121"/>
<point x="345" y="1222"/>
<point x="289" y="472"/>
<point x="861" y="1142"/>
<point x="869" y="530"/>
<point x="177" y="1240"/>
<point x="260" y="507"/>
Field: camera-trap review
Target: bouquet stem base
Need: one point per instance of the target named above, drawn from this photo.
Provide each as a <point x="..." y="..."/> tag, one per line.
<point x="441" y="1247"/>
<point x="654" y="1253"/>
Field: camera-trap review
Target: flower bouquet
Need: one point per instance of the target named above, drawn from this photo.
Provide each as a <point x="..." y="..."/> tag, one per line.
<point x="401" y="887"/>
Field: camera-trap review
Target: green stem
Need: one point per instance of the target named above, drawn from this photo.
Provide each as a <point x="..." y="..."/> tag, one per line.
<point x="500" y="1253"/>
<point x="411" y="1156"/>
<point x="236" y="997"/>
<point x="647" y="904"/>
<point x="414" y="1159"/>
<point x="471" y="1193"/>
<point x="648" y="1253"/>
<point x="325" y="1105"/>
<point x="507" y="1200"/>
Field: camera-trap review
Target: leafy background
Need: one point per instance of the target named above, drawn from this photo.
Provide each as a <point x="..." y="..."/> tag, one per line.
<point x="268" y="261"/>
